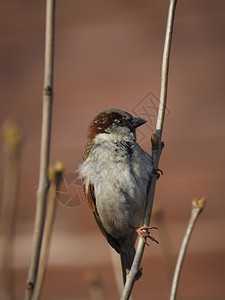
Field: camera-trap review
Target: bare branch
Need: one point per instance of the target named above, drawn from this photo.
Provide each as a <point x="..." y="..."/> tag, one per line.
<point x="197" y="207"/>
<point x="156" y="150"/>
<point x="12" y="141"/>
<point x="165" y="68"/>
<point x="45" y="149"/>
<point x="55" y="175"/>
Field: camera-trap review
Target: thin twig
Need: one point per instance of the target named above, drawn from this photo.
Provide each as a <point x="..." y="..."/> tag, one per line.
<point x="12" y="142"/>
<point x="55" y="175"/>
<point x="156" y="151"/>
<point x="45" y="149"/>
<point x="197" y="207"/>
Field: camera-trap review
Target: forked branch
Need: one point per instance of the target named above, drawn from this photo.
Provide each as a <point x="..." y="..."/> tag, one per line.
<point x="45" y="149"/>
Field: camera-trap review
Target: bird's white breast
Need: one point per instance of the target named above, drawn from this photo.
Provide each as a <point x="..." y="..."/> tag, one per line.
<point x="120" y="179"/>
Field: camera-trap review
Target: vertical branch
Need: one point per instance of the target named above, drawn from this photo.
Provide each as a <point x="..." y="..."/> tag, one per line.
<point x="156" y="150"/>
<point x="12" y="142"/>
<point x="197" y="207"/>
<point x="165" y="68"/>
<point x="45" y="149"/>
<point x="55" y="175"/>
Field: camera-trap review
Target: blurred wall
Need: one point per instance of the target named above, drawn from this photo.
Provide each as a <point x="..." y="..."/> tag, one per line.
<point x="108" y="54"/>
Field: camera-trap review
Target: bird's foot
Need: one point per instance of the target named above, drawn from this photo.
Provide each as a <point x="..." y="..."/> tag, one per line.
<point x="157" y="172"/>
<point x="144" y="233"/>
<point x="139" y="273"/>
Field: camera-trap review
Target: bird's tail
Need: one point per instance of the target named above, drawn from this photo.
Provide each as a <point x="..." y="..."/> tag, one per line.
<point x="126" y="263"/>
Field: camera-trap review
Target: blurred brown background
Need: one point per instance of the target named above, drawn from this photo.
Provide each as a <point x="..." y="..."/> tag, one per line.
<point x="108" y="54"/>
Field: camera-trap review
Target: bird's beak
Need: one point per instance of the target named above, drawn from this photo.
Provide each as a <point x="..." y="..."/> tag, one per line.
<point x="136" y="122"/>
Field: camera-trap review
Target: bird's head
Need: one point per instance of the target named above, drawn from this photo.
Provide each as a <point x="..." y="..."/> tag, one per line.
<point x="114" y="124"/>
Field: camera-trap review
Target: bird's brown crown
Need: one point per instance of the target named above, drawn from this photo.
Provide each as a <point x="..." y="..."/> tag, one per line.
<point x="104" y="120"/>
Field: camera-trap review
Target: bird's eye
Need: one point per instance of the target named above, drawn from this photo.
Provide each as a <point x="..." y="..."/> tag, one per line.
<point x="119" y="121"/>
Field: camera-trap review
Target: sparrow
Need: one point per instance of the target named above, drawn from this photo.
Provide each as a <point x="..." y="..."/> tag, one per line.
<point x="116" y="173"/>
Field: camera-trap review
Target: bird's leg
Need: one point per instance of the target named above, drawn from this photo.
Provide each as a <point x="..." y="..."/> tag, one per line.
<point x="144" y="233"/>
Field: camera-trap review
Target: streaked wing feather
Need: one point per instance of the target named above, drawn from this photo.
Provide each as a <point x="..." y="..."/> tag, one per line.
<point x="90" y="195"/>
<point x="87" y="151"/>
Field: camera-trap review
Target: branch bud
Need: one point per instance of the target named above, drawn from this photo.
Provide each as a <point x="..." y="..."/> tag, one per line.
<point x="56" y="171"/>
<point x="199" y="203"/>
<point x="11" y="135"/>
<point x="155" y="142"/>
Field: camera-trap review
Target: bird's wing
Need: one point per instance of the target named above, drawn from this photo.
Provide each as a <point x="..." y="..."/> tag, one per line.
<point x="90" y="195"/>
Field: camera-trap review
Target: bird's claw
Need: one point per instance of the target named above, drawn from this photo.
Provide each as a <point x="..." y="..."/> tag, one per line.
<point x="144" y="233"/>
<point x="157" y="172"/>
